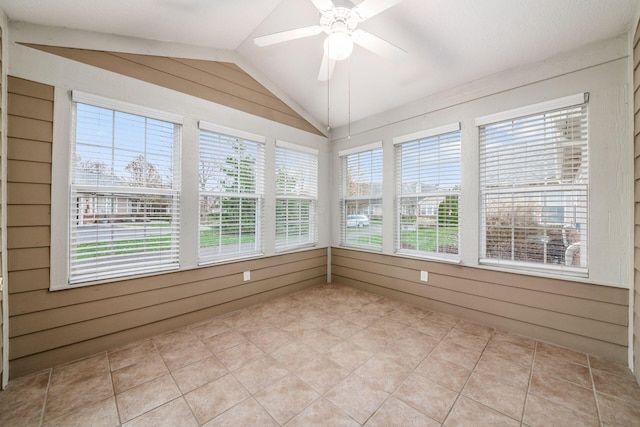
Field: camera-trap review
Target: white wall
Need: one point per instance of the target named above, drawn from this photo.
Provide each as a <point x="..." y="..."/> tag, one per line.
<point x="600" y="69"/>
<point x="67" y="75"/>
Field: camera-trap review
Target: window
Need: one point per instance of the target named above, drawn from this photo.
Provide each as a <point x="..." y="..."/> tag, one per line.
<point x="296" y="195"/>
<point x="428" y="191"/>
<point x="361" y="197"/>
<point x="125" y="182"/>
<point x="231" y="179"/>
<point x="534" y="187"/>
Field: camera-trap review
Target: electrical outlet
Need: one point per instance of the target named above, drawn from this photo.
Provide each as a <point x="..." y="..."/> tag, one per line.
<point x="424" y="276"/>
<point x="246" y="276"/>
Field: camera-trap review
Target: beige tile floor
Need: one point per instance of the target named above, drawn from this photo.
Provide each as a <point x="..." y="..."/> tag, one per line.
<point x="329" y="356"/>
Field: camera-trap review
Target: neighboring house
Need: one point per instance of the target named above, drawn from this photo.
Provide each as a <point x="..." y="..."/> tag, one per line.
<point x="109" y="207"/>
<point x="426" y="208"/>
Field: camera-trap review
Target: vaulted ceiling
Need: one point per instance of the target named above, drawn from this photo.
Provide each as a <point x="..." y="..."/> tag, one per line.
<point x="448" y="42"/>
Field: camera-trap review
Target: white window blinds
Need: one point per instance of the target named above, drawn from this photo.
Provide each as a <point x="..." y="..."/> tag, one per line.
<point x="296" y="196"/>
<point x="428" y="192"/>
<point x="231" y="179"/>
<point x="125" y="184"/>
<point x="534" y="190"/>
<point x="361" y="198"/>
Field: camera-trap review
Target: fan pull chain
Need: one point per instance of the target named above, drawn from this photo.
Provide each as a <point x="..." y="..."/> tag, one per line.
<point x="328" y="94"/>
<point x="349" y="101"/>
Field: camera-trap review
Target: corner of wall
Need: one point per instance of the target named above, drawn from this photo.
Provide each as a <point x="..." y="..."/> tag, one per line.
<point x="634" y="293"/>
<point x="4" y="298"/>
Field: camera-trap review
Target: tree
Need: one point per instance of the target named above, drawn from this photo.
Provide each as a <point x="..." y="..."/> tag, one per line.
<point x="296" y="211"/>
<point x="448" y="210"/>
<point x="206" y="171"/>
<point x="239" y="168"/>
<point x="238" y="214"/>
<point x="92" y="166"/>
<point x="512" y="231"/>
<point x="143" y="173"/>
<point x="286" y="182"/>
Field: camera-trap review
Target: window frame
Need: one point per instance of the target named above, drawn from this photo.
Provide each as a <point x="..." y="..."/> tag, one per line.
<point x="312" y="155"/>
<point x="547" y="107"/>
<point x="258" y="195"/>
<point x="425" y="137"/>
<point x="62" y="272"/>
<point x="376" y="149"/>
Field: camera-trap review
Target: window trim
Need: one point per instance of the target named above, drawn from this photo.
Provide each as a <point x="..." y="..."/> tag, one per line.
<point x="539" y="108"/>
<point x="61" y="188"/>
<point x="124" y="107"/>
<point x="440" y="130"/>
<point x="414" y="137"/>
<point x="297" y="147"/>
<point x="342" y="155"/>
<point x="314" y="200"/>
<point x="260" y="197"/>
<point x="237" y="133"/>
<point x="558" y="271"/>
<point x="360" y="149"/>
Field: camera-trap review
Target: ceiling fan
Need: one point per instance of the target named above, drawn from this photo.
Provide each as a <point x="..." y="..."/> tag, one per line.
<point x="339" y="23"/>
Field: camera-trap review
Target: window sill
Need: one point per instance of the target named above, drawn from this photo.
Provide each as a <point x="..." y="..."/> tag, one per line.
<point x="373" y="249"/>
<point x="220" y="261"/>
<point x="429" y="257"/>
<point x="156" y="272"/>
<point x="555" y="270"/>
<point x="300" y="248"/>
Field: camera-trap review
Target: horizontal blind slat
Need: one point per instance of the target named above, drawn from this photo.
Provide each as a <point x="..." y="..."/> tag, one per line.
<point x="124" y="194"/>
<point x="296" y="194"/>
<point x="534" y="190"/>
<point x="428" y="183"/>
<point x="361" y="199"/>
<point x="231" y="178"/>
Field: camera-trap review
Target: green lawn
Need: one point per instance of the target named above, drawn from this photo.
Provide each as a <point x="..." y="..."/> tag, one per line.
<point x="213" y="237"/>
<point x="157" y="243"/>
<point x="429" y="239"/>
<point x="365" y="239"/>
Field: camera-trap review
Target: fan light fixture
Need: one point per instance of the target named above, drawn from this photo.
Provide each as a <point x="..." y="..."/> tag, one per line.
<point x="340" y="23"/>
<point x="338" y="46"/>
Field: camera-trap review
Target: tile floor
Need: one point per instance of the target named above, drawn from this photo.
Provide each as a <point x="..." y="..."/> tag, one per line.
<point x="329" y="356"/>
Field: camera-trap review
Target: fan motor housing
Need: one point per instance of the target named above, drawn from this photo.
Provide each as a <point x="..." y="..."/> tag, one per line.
<point x="338" y="19"/>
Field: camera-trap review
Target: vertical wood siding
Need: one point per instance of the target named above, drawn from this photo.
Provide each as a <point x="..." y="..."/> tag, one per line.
<point x="585" y="317"/>
<point x="48" y="328"/>
<point x="636" y="133"/>
<point x="2" y="225"/>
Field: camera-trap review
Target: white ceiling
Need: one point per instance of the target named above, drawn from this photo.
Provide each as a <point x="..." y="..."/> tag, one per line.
<point x="449" y="42"/>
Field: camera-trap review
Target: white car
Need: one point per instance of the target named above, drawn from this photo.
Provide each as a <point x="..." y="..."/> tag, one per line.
<point x="357" y="221"/>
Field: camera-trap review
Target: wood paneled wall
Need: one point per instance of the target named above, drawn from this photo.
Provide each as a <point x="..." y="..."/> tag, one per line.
<point x="2" y="225"/>
<point x="220" y="82"/>
<point x="636" y="133"/>
<point x="29" y="139"/>
<point x="48" y="328"/>
<point x="586" y="317"/>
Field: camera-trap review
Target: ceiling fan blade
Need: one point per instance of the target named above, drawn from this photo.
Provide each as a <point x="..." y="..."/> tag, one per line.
<point x="369" y="8"/>
<point x="287" y="35"/>
<point x="323" y="5"/>
<point x="376" y="45"/>
<point x="326" y="68"/>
